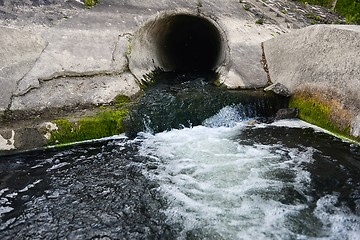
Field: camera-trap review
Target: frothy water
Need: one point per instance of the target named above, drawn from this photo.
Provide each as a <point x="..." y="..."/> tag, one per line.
<point x="189" y="100"/>
<point x="229" y="177"/>
<point x="218" y="188"/>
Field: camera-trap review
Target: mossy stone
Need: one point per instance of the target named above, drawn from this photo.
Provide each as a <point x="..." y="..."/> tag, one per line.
<point x="121" y="100"/>
<point x="104" y="124"/>
<point x="320" y="114"/>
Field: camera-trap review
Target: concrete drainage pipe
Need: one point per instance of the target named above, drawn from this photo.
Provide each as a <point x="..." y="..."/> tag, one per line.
<point x="181" y="42"/>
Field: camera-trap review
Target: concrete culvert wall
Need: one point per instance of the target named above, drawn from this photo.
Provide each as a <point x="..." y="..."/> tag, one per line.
<point x="177" y="42"/>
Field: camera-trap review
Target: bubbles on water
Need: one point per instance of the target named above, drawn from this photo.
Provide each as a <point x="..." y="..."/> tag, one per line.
<point x="228" y="116"/>
<point x="338" y="221"/>
<point x="31" y="185"/>
<point x="217" y="186"/>
<point x="4" y="201"/>
<point x="58" y="166"/>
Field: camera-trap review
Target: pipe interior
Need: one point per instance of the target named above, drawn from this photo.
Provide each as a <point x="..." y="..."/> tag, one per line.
<point x="187" y="43"/>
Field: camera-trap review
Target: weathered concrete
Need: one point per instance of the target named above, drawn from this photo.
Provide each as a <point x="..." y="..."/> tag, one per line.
<point x="19" y="52"/>
<point x="96" y="42"/>
<point x="280" y="17"/>
<point x="7" y="140"/>
<point x="75" y="53"/>
<point x="80" y="91"/>
<point x="27" y="14"/>
<point x="61" y="55"/>
<point x="355" y="126"/>
<point x="245" y="68"/>
<point x="21" y="138"/>
<point x="321" y="62"/>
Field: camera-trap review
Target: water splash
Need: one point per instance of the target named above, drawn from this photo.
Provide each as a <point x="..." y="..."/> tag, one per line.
<point x="228" y="116"/>
<point x="221" y="188"/>
<point x="190" y="103"/>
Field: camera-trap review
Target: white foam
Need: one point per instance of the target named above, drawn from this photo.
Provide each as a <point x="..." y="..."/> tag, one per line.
<point x="5" y="209"/>
<point x="228" y="116"/>
<point x="339" y="222"/>
<point x="31" y="185"/>
<point x="57" y="166"/>
<point x="214" y="183"/>
<point x="2" y="191"/>
<point x="11" y="195"/>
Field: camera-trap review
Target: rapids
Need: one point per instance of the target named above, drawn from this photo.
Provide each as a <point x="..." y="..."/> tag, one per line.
<point x="228" y="172"/>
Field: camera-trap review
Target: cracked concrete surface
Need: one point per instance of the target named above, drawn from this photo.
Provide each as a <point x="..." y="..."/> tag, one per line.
<point x="73" y="53"/>
<point x="76" y="91"/>
<point x="19" y="52"/>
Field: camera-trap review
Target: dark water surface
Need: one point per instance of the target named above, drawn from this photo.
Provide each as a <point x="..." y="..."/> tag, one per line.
<point x="79" y="193"/>
<point x="232" y="175"/>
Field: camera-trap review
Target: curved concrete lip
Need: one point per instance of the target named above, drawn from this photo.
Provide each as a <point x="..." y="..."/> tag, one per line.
<point x="179" y="40"/>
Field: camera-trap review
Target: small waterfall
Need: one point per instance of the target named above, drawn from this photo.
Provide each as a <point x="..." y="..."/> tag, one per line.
<point x="184" y="100"/>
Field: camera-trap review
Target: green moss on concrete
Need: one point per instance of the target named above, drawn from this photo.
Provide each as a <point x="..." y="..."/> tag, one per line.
<point x="121" y="100"/>
<point x="91" y="3"/>
<point x="319" y="114"/>
<point x="104" y="124"/>
<point x="313" y="112"/>
<point x="217" y="82"/>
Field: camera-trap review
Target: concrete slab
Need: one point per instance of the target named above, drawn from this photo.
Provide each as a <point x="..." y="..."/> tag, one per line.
<point x="326" y="56"/>
<point x="244" y="36"/>
<point x="75" y="52"/>
<point x="321" y="62"/>
<point x="81" y="91"/>
<point x="19" y="51"/>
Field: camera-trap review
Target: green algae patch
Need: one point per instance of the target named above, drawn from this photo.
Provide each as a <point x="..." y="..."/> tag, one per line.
<point x="103" y="124"/>
<point x="91" y="3"/>
<point x="121" y="101"/>
<point x="326" y="115"/>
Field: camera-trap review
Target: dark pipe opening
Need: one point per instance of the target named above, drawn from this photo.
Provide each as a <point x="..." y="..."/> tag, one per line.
<point x="189" y="43"/>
